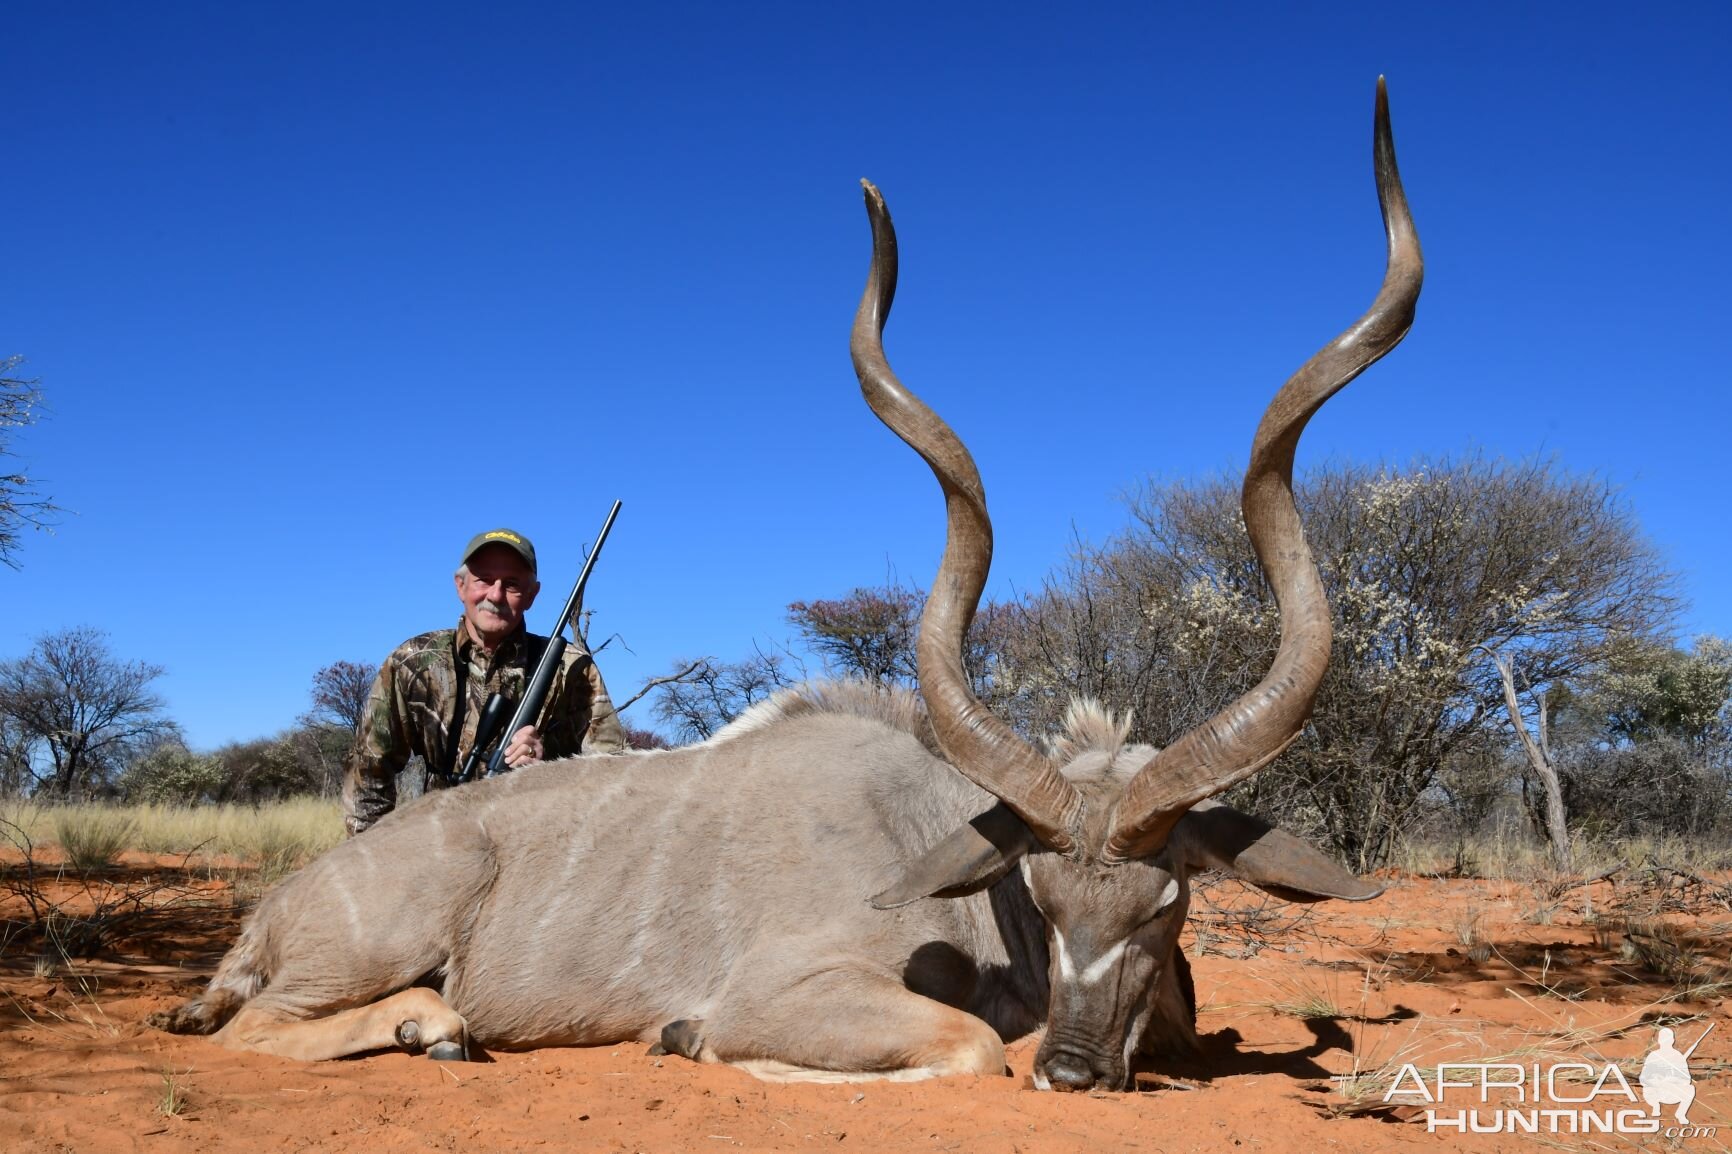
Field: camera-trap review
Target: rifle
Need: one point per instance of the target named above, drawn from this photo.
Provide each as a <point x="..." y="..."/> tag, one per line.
<point x="487" y="728"/>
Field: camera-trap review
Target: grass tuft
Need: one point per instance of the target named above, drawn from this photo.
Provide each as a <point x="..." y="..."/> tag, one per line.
<point x="92" y="837"/>
<point x="1309" y="1000"/>
<point x="172" y="1104"/>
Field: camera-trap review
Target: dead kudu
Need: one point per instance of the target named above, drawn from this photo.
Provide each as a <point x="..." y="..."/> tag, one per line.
<point x="842" y="884"/>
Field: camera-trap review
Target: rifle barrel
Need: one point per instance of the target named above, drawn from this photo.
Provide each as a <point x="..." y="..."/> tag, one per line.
<point x="542" y="680"/>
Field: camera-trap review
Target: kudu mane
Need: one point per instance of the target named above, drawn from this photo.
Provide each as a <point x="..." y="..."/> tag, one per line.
<point x="1087" y="726"/>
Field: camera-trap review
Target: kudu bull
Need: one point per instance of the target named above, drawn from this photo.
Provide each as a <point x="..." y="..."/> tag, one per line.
<point x="841" y="884"/>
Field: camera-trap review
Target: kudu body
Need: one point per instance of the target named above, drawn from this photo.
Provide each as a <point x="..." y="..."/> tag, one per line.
<point x="842" y="883"/>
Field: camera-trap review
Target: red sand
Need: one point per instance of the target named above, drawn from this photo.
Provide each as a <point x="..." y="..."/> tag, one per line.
<point x="1394" y="977"/>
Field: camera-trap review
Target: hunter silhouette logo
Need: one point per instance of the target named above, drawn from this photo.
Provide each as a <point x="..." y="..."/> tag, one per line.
<point x="1559" y="1097"/>
<point x="1665" y="1075"/>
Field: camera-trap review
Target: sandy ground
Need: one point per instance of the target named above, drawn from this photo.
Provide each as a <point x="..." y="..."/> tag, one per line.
<point x="1293" y="999"/>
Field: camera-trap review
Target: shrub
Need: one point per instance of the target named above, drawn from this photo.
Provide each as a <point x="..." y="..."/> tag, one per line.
<point x="93" y="836"/>
<point x="172" y="774"/>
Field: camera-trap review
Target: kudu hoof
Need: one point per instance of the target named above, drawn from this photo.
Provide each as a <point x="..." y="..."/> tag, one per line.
<point x="684" y="1037"/>
<point x="409" y="1037"/>
<point x="448" y="1052"/>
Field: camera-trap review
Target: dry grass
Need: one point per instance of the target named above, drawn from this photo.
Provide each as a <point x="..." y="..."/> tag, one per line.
<point x="1309" y="998"/>
<point x="1507" y="855"/>
<point x="275" y="838"/>
<point x="92" y="837"/>
<point x="67" y="905"/>
<point x="172" y="1103"/>
<point x="296" y="830"/>
<point x="1470" y="932"/>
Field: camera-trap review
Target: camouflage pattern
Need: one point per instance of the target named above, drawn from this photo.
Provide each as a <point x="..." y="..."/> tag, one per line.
<point x="413" y="700"/>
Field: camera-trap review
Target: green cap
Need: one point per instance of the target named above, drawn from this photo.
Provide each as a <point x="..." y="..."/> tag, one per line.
<point x="512" y="540"/>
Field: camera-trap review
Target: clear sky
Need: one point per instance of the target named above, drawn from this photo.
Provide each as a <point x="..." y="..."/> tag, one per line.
<point x="317" y="291"/>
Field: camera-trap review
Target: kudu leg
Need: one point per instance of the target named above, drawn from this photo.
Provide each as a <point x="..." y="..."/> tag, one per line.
<point x="416" y="1018"/>
<point x="841" y="1026"/>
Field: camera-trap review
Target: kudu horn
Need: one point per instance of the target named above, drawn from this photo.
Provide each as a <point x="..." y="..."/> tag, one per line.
<point x="1252" y="731"/>
<point x="976" y="742"/>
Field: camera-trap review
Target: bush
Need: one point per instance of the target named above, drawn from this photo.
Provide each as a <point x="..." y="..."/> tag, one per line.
<point x="173" y="775"/>
<point x="1658" y="787"/>
<point x="92" y="837"/>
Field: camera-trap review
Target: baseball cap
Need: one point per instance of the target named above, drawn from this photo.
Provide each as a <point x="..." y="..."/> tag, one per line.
<point x="512" y="540"/>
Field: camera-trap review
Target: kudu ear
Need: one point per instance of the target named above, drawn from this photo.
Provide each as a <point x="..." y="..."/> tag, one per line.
<point x="1216" y="836"/>
<point x="972" y="858"/>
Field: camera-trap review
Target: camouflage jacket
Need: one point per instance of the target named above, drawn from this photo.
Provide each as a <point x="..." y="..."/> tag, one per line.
<point x="413" y="702"/>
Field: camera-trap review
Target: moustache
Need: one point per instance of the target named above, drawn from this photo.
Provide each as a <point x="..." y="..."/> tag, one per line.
<point x="495" y="608"/>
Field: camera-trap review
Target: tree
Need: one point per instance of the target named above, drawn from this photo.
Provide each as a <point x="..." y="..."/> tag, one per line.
<point x="1648" y="689"/>
<point x="268" y="769"/>
<point x="636" y="738"/>
<point x="1425" y="568"/>
<point x="17" y="754"/>
<point x="171" y="774"/>
<point x="20" y="505"/>
<point x="1644" y="740"/>
<point x="1538" y="749"/>
<point x="85" y="711"/>
<point x="324" y="734"/>
<point x="320" y="751"/>
<point x="715" y="693"/>
<point x="869" y="633"/>
<point x="340" y="694"/>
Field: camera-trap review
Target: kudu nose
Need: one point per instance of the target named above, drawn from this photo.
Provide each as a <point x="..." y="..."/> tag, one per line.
<point x="1069" y="1072"/>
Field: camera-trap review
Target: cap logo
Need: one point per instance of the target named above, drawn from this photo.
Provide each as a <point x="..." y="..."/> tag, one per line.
<point x="499" y="535"/>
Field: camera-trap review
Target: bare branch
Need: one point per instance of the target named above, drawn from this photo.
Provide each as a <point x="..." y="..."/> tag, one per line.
<point x="685" y="674"/>
<point x="20" y="505"/>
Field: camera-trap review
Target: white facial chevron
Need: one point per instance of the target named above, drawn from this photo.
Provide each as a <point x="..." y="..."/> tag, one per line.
<point x="1097" y="969"/>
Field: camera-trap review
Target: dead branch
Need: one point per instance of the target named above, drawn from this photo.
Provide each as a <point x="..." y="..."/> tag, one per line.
<point x="1539" y="756"/>
<point x="1560" y="888"/>
<point x="691" y="671"/>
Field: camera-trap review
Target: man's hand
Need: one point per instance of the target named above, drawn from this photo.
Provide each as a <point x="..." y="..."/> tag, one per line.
<point x="524" y="748"/>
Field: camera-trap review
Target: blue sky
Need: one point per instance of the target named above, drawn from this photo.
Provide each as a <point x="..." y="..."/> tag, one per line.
<point x="316" y="292"/>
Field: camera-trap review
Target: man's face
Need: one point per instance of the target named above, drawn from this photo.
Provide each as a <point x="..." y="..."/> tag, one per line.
<point x="497" y="591"/>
